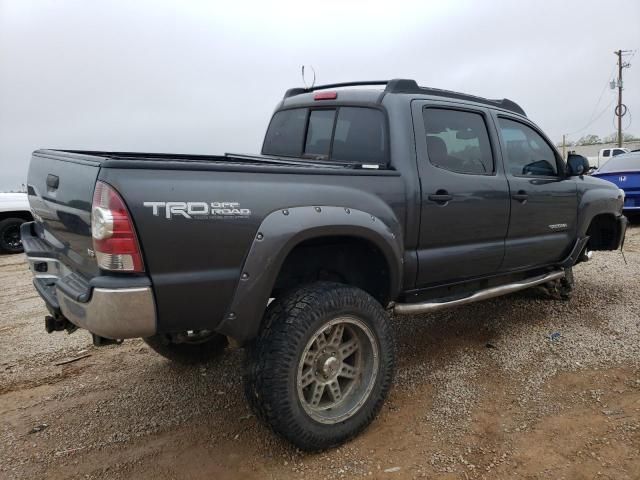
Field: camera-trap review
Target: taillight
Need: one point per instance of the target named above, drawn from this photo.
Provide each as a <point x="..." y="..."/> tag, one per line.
<point x="114" y="238"/>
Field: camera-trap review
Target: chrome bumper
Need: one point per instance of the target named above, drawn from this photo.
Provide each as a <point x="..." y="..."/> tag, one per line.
<point x="115" y="313"/>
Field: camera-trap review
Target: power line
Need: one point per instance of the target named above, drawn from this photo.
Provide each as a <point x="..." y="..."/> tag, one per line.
<point x="591" y="118"/>
<point x="613" y="120"/>
<point x="602" y="92"/>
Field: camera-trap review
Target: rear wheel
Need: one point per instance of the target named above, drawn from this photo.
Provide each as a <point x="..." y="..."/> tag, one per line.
<point x="322" y="365"/>
<point x="190" y="347"/>
<point x="10" y="241"/>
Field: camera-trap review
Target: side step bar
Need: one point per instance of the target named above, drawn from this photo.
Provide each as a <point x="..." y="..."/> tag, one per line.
<point x="432" y="306"/>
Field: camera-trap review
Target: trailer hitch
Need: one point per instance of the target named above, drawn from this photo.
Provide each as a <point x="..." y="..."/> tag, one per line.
<point x="99" y="341"/>
<point x="58" y="323"/>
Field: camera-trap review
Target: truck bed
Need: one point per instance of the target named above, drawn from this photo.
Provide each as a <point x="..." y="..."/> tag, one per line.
<point x="139" y="159"/>
<point x="187" y="259"/>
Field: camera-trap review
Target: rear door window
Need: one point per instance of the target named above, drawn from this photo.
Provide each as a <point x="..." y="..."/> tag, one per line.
<point x="458" y="141"/>
<point x="605" y="153"/>
<point x="285" y="134"/>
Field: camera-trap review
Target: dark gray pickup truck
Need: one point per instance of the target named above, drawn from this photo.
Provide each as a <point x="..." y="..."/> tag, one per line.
<point x="368" y="198"/>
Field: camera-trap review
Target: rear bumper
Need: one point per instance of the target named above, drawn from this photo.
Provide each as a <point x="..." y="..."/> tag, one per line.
<point x="631" y="202"/>
<point x="113" y="313"/>
<point x="124" y="309"/>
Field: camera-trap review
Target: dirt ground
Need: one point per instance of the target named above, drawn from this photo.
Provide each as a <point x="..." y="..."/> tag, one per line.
<point x="517" y="387"/>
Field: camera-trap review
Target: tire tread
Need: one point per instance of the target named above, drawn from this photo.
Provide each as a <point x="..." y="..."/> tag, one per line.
<point x="285" y="326"/>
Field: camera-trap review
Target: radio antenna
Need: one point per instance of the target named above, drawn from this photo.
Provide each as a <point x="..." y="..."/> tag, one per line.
<point x="304" y="79"/>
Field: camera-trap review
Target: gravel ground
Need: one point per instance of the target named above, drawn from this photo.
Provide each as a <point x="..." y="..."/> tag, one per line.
<point x="517" y="387"/>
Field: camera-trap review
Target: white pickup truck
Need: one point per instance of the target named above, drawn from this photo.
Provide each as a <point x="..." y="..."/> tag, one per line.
<point x="14" y="211"/>
<point x="605" y="154"/>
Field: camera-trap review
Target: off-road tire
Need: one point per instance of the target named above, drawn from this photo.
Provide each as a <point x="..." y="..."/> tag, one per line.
<point x="7" y="230"/>
<point x="188" y="353"/>
<point x="561" y="289"/>
<point x="273" y="358"/>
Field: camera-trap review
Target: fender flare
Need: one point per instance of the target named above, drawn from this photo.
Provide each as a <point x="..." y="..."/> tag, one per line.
<point x="279" y="233"/>
<point x="593" y="203"/>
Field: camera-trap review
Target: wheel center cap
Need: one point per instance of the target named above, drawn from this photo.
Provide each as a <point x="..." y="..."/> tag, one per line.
<point x="330" y="365"/>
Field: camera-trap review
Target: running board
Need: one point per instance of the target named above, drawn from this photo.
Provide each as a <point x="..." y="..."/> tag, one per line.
<point x="432" y="306"/>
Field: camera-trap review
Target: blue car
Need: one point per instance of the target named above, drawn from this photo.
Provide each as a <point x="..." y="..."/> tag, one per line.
<point x="624" y="171"/>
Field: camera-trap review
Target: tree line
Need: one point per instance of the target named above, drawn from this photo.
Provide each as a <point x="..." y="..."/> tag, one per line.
<point x="592" y="139"/>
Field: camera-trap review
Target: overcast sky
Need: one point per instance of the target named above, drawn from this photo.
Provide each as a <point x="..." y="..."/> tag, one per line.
<point x="203" y="76"/>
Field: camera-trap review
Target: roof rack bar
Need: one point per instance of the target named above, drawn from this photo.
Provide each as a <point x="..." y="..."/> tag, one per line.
<point x="410" y="86"/>
<point x="403" y="85"/>
<point x="348" y="84"/>
<point x="297" y="91"/>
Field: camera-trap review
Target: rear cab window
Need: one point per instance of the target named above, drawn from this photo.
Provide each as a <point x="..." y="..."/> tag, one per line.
<point x="286" y="133"/>
<point x="342" y="134"/>
<point x="319" y="131"/>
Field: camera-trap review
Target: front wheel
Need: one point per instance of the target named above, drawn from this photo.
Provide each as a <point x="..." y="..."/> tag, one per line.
<point x="561" y="289"/>
<point x="322" y="365"/>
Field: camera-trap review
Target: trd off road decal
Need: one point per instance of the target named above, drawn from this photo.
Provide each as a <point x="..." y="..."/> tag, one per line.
<point x="198" y="210"/>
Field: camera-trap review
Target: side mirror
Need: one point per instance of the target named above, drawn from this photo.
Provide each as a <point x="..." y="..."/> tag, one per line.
<point x="577" y="165"/>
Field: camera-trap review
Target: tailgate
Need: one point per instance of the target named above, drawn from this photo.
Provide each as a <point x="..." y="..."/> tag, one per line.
<point x="60" y="188"/>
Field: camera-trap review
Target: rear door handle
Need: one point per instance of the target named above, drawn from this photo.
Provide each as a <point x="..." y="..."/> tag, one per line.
<point x="521" y="196"/>
<point x="441" y="197"/>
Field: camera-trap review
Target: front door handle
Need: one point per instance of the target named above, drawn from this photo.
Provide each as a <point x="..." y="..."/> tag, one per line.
<point x="53" y="181"/>
<point x="521" y="196"/>
<point x="441" y="197"/>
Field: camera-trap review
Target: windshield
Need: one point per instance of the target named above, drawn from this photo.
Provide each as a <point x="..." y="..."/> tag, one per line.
<point x="622" y="163"/>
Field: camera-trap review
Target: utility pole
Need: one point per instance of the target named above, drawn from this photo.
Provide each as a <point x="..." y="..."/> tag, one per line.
<point x="621" y="109"/>
<point x="564" y="155"/>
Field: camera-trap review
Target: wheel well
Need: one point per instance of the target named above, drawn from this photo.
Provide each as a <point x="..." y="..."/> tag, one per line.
<point x="602" y="232"/>
<point x="26" y="216"/>
<point x="350" y="260"/>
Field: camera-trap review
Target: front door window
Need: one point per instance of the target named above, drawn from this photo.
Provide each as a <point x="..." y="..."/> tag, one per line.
<point x="527" y="153"/>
